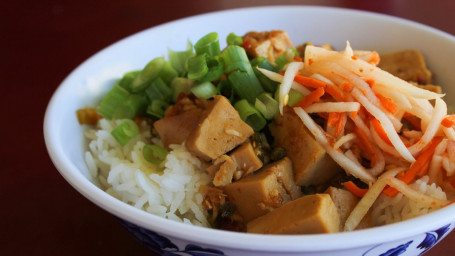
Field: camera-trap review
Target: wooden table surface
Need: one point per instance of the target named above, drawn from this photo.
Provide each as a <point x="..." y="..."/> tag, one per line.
<point x="40" y="43"/>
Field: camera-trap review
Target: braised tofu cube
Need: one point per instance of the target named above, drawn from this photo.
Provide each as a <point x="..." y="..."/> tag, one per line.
<point x="269" y="44"/>
<point x="176" y="129"/>
<point x="345" y="202"/>
<point x="259" y="193"/>
<point x="220" y="130"/>
<point x="313" y="214"/>
<point x="312" y="166"/>
<point x="408" y="65"/>
<point x="246" y="159"/>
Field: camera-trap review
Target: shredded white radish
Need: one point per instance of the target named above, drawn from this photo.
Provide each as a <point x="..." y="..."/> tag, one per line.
<point x="398" y="98"/>
<point x="440" y="111"/>
<point x="286" y="84"/>
<point x="364" y="69"/>
<point x="333" y="107"/>
<point x="344" y="139"/>
<point x="386" y="124"/>
<point x="279" y="78"/>
<point x="347" y="164"/>
<point x="362" y="207"/>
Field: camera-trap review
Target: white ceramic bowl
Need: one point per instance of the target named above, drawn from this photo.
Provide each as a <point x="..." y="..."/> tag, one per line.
<point x="87" y="83"/>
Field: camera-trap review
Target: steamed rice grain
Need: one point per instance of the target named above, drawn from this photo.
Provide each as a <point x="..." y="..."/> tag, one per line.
<point x="172" y="193"/>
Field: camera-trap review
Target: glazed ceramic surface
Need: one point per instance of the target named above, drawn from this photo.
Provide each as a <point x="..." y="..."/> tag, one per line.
<point x="367" y="31"/>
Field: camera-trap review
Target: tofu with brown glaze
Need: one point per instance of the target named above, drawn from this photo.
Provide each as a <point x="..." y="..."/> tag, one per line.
<point x="312" y="214"/>
<point x="260" y="193"/>
<point x="408" y="65"/>
<point x="312" y="166"/>
<point x="219" y="130"/>
<point x="268" y="44"/>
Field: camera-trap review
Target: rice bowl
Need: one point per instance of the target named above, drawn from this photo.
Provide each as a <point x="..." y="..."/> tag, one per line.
<point x="61" y="140"/>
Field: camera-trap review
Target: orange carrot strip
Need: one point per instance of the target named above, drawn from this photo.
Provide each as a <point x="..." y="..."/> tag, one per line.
<point x="366" y="145"/>
<point x="380" y="130"/>
<point x="311" y="98"/>
<point x="347" y="87"/>
<point x="309" y="81"/>
<point x="418" y="168"/>
<point x="335" y="92"/>
<point x="448" y="121"/>
<point x="388" y="104"/>
<point x="369" y="81"/>
<point x="336" y="120"/>
<point x="354" y="189"/>
<point x="375" y="58"/>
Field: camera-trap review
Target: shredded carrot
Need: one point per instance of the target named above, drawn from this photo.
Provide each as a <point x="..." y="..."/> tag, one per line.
<point x="448" y="121"/>
<point x="388" y="104"/>
<point x="418" y="168"/>
<point x="298" y="59"/>
<point x="366" y="145"/>
<point x="354" y="189"/>
<point x="347" y="87"/>
<point x="369" y="81"/>
<point x="335" y="92"/>
<point x="311" y="98"/>
<point x="375" y="58"/>
<point x="413" y="120"/>
<point x="309" y="81"/>
<point x="336" y="120"/>
<point x="380" y="130"/>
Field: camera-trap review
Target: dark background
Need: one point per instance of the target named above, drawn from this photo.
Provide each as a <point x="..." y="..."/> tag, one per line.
<point x="40" y="43"/>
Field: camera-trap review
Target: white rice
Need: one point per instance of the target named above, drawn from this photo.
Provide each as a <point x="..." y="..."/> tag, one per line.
<point x="172" y="193"/>
<point x="387" y="210"/>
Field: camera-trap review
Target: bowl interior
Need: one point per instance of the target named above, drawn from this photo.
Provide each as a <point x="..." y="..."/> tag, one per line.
<point x="367" y="31"/>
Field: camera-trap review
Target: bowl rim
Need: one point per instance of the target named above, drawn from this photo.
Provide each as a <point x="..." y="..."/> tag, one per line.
<point x="218" y="238"/>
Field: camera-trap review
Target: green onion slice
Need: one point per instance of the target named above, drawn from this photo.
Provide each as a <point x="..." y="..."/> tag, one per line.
<point x="208" y="44"/>
<point x="267" y="105"/>
<point x="113" y="99"/>
<point x="204" y="90"/>
<point x="197" y="67"/>
<point x="150" y="72"/>
<point x="154" y="154"/>
<point x="250" y="115"/>
<point x="125" y="131"/>
<point x="178" y="59"/>
<point x="233" y="39"/>
<point x="157" y="108"/>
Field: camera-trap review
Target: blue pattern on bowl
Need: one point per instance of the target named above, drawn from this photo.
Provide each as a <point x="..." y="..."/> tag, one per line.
<point x="163" y="246"/>
<point x="430" y="239"/>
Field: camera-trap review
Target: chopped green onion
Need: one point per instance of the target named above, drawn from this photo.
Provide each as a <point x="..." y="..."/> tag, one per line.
<point x="180" y="85"/>
<point x="154" y="154"/>
<point x="158" y="89"/>
<point x="197" y="67"/>
<point x="250" y="115"/>
<point x="266" y="83"/>
<point x="150" y="72"/>
<point x="246" y="85"/>
<point x="294" y="97"/>
<point x="113" y="99"/>
<point x="285" y="58"/>
<point x="178" y="59"/>
<point x="204" y="90"/>
<point x="125" y="131"/>
<point x="167" y="73"/>
<point x="233" y="39"/>
<point x="215" y="69"/>
<point x="133" y="106"/>
<point x="208" y="44"/>
<point x="267" y="105"/>
<point x="157" y="108"/>
<point x="241" y="74"/>
<point x="225" y="89"/>
<point x="235" y="58"/>
<point x="127" y="79"/>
